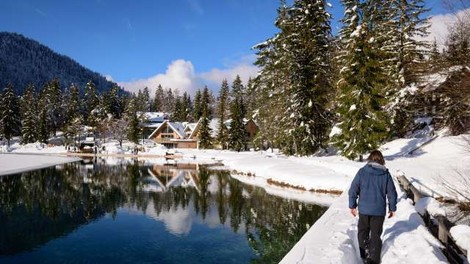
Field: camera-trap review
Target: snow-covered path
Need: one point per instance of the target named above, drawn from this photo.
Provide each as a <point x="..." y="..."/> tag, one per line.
<point x="332" y="239"/>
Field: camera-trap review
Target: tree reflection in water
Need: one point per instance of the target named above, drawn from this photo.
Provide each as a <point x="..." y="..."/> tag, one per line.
<point x="43" y="205"/>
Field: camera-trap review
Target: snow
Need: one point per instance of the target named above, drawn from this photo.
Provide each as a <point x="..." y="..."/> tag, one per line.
<point x="16" y="163"/>
<point x="461" y="234"/>
<point x="431" y="205"/>
<point x="435" y="165"/>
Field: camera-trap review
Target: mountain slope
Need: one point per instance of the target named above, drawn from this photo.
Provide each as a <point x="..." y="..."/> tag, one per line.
<point x="24" y="61"/>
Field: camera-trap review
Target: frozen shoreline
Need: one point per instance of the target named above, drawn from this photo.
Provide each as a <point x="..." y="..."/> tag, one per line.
<point x="18" y="163"/>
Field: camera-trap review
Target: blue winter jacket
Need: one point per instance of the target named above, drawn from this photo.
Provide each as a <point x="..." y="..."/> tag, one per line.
<point x="372" y="184"/>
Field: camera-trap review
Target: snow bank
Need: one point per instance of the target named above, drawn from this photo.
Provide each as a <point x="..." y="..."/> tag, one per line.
<point x="429" y="204"/>
<point x="461" y="234"/>
<point x="16" y="163"/>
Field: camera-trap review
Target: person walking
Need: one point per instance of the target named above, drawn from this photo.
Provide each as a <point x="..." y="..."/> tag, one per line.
<point x="372" y="184"/>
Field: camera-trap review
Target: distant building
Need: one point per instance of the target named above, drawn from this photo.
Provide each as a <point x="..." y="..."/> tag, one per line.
<point x="172" y="135"/>
<point x="186" y="135"/>
<point x="151" y="120"/>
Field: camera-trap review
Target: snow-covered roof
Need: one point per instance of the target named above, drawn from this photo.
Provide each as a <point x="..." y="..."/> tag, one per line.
<point x="189" y="127"/>
<point x="154" y="117"/>
<point x="178" y="127"/>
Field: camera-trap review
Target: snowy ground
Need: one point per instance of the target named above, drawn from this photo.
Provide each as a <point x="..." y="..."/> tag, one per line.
<point x="439" y="168"/>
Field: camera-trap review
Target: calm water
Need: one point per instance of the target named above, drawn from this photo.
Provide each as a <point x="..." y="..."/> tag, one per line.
<point x="129" y="213"/>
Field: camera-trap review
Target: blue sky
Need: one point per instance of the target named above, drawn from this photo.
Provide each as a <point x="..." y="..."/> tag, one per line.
<point x="182" y="44"/>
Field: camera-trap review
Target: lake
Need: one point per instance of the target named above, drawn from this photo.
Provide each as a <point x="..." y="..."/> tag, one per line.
<point x="133" y="212"/>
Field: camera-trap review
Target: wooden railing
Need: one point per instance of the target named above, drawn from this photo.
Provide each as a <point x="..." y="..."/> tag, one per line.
<point x="438" y="225"/>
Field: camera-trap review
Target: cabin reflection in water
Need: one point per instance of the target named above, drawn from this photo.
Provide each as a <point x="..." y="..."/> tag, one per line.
<point x="162" y="177"/>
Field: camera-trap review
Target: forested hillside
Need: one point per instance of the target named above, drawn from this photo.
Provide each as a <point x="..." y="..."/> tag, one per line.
<point x="24" y="61"/>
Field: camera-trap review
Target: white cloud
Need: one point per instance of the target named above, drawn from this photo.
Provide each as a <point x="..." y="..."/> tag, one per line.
<point x="243" y="67"/>
<point x="181" y="75"/>
<point x="440" y="26"/>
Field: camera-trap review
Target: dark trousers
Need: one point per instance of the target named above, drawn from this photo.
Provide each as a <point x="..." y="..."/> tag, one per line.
<point x="369" y="230"/>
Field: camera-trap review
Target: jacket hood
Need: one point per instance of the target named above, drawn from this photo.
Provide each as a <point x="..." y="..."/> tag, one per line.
<point x="376" y="167"/>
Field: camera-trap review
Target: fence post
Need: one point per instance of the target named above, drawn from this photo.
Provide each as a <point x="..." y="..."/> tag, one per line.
<point x="442" y="232"/>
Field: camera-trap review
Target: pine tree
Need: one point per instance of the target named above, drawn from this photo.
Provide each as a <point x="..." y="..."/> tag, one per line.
<point x="112" y="103"/>
<point x="133" y="130"/>
<point x="9" y="113"/>
<point x="53" y="103"/>
<point x="145" y="100"/>
<point x="250" y="98"/>
<point x="237" y="132"/>
<point x="198" y="105"/>
<point x="29" y="115"/>
<point x="72" y="103"/>
<point x="297" y="70"/>
<point x="159" y="97"/>
<point x="412" y="27"/>
<point x="363" y="121"/>
<point x="435" y="59"/>
<point x="457" y="43"/>
<point x="309" y="76"/>
<point x="169" y="102"/>
<point x="222" y="135"/>
<point x="272" y="86"/>
<point x="44" y="129"/>
<point x="90" y="102"/>
<point x="186" y="107"/>
<point x="179" y="112"/>
<point x="205" y="140"/>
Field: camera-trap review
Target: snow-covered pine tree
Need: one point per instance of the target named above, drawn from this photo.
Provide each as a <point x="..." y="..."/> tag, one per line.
<point x="71" y="102"/>
<point x="401" y="28"/>
<point x="112" y="102"/>
<point x="250" y="98"/>
<point x="306" y="47"/>
<point x="29" y="115"/>
<point x="295" y="78"/>
<point x="9" y="113"/>
<point x="54" y="105"/>
<point x="363" y="122"/>
<point x="223" y="102"/>
<point x="411" y="29"/>
<point x="90" y="101"/>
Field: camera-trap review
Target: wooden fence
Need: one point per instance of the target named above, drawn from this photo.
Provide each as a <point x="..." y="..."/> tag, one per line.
<point x="438" y="225"/>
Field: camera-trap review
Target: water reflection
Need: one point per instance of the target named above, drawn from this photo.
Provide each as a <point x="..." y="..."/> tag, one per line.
<point x="42" y="206"/>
